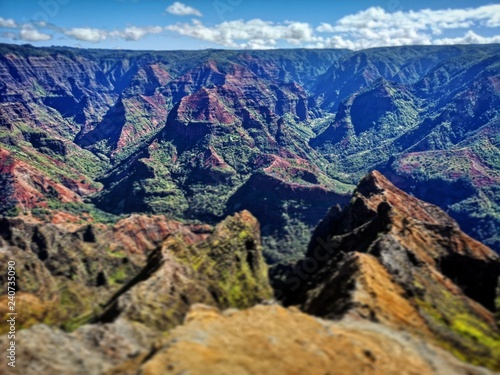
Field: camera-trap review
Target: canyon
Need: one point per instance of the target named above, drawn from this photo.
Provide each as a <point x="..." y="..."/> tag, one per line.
<point x="199" y="135"/>
<point x="255" y="212"/>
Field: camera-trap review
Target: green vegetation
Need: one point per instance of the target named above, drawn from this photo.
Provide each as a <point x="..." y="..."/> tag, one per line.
<point x="83" y="210"/>
<point x="450" y="317"/>
<point x="230" y="263"/>
<point x="118" y="277"/>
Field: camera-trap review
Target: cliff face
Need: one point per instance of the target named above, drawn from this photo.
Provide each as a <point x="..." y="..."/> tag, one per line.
<point x="391" y="258"/>
<point x="26" y="187"/>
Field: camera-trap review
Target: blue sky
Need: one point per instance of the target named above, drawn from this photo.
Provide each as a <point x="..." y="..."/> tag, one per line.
<point x="258" y="24"/>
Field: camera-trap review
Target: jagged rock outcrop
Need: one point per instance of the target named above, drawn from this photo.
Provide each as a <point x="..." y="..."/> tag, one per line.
<point x="225" y="270"/>
<point x="391" y="258"/>
<point x="65" y="273"/>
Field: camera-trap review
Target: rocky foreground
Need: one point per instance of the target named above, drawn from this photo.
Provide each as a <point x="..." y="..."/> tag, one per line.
<point x="389" y="285"/>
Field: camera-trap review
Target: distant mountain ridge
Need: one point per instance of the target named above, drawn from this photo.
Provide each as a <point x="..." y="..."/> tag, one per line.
<point x="199" y="135"/>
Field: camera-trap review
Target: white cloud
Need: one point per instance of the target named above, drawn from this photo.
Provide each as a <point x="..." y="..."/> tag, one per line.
<point x="493" y="20"/>
<point x="325" y="28"/>
<point x="30" y="34"/>
<point x="8" y="23"/>
<point x="470" y="37"/>
<point x="259" y="44"/>
<point x="180" y="9"/>
<point x="131" y="33"/>
<point x="87" y="34"/>
<point x="134" y="33"/>
<point x="254" y="33"/>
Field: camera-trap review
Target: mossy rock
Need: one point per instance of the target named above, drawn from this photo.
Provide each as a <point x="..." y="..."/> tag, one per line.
<point x="225" y="270"/>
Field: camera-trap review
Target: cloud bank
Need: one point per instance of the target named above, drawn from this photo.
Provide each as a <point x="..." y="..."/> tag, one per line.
<point x="372" y="27"/>
<point x="132" y="33"/>
<point x="255" y="33"/>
